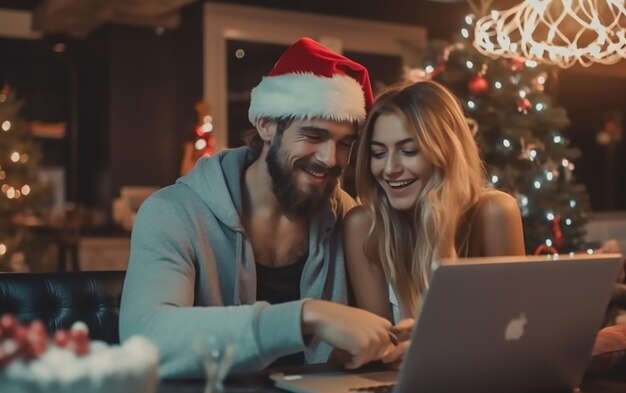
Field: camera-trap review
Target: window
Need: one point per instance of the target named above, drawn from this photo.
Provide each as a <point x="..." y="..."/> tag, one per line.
<point x="242" y="43"/>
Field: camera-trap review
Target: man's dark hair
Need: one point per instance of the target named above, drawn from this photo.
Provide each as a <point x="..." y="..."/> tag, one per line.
<point x="252" y="139"/>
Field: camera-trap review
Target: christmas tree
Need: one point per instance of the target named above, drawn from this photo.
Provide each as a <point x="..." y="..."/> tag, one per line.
<point x="21" y="194"/>
<point x="519" y="129"/>
<point x="204" y="142"/>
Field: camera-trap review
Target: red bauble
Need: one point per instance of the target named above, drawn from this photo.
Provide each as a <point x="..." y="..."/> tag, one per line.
<point x="199" y="131"/>
<point x="440" y="68"/>
<point x="478" y="85"/>
<point x="523" y="105"/>
<point x="556" y="229"/>
<point x="210" y="142"/>
<point x="517" y="63"/>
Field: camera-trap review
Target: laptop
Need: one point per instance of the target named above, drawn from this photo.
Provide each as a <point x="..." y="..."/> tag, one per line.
<point x="495" y="324"/>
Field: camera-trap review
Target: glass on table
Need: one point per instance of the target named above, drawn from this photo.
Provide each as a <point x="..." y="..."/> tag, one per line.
<point x="216" y="354"/>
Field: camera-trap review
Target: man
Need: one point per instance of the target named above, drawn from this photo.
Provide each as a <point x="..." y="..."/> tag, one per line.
<point x="246" y="245"/>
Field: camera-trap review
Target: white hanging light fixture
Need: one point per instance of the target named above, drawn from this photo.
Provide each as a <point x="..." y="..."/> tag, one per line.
<point x="558" y="32"/>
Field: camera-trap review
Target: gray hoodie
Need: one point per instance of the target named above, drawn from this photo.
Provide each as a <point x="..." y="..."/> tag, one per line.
<point x="192" y="273"/>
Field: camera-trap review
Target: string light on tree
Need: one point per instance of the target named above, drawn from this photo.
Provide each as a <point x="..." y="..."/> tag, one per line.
<point x="495" y="176"/>
<point x="531" y="63"/>
<point x="522" y="202"/>
<point x="538" y="83"/>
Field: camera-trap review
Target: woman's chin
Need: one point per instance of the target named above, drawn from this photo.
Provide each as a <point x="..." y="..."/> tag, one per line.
<point x="402" y="204"/>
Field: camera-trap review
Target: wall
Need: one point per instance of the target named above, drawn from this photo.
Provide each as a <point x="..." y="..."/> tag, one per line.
<point x="587" y="97"/>
<point x="138" y="90"/>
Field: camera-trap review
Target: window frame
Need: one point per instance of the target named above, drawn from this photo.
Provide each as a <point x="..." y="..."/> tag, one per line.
<point x="223" y="22"/>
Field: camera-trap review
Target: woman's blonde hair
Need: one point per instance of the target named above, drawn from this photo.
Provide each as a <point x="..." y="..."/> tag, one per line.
<point x="407" y="243"/>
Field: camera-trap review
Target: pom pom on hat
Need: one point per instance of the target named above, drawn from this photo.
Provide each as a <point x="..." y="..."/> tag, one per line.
<point x="311" y="81"/>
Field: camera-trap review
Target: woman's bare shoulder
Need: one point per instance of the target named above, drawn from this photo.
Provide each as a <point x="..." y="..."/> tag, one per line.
<point x="498" y="228"/>
<point x="496" y="205"/>
<point x="356" y="224"/>
<point x="358" y="217"/>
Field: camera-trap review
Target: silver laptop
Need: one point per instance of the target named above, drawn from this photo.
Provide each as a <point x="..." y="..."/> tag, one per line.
<point x="497" y="324"/>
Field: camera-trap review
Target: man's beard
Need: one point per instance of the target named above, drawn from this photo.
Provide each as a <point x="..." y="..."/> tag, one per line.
<point x="295" y="202"/>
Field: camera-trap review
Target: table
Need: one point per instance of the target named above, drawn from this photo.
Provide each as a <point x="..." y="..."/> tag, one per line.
<point x="260" y="383"/>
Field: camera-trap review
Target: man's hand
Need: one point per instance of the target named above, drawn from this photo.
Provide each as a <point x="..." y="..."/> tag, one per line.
<point x="360" y="335"/>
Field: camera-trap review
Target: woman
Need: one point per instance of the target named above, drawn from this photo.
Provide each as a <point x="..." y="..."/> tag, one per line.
<point x="423" y="188"/>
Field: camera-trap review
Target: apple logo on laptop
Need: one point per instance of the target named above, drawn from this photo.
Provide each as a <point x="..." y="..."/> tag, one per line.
<point x="515" y="328"/>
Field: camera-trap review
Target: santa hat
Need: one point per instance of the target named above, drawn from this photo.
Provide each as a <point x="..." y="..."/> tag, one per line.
<point x="311" y="81"/>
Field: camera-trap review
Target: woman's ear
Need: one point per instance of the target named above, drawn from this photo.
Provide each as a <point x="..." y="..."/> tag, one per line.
<point x="266" y="129"/>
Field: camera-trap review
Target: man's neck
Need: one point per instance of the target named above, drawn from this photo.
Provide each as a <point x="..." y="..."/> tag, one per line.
<point x="276" y="238"/>
<point x="257" y="192"/>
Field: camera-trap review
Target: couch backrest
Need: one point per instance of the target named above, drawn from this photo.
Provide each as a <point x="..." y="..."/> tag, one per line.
<point x="60" y="299"/>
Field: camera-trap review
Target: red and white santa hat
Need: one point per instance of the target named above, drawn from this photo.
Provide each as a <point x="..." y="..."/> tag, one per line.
<point x="311" y="81"/>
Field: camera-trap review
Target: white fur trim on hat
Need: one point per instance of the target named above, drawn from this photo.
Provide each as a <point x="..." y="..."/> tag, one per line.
<point x="306" y="95"/>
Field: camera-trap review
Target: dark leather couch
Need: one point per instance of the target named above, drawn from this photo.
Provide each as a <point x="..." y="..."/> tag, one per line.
<point x="60" y="299"/>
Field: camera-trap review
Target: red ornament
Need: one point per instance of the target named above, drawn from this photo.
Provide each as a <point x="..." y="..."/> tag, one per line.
<point x="478" y="85"/>
<point x="199" y="131"/>
<point x="210" y="143"/>
<point x="544" y="249"/>
<point x="517" y="63"/>
<point x="440" y="68"/>
<point x="523" y="105"/>
<point x="556" y="229"/>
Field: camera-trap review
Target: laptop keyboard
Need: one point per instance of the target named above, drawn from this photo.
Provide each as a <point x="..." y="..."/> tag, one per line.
<point x="375" y="389"/>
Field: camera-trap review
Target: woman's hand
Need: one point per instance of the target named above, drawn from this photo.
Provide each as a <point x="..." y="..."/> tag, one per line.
<point x="395" y="353"/>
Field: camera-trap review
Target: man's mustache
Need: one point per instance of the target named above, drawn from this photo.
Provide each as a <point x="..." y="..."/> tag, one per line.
<point x="318" y="167"/>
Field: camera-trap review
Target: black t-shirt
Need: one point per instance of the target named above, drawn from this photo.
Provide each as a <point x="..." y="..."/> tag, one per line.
<point x="279" y="285"/>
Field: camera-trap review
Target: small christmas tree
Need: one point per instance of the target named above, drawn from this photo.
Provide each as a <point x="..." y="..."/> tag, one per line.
<point x="21" y="195"/>
<point x="520" y="132"/>
<point x="204" y="142"/>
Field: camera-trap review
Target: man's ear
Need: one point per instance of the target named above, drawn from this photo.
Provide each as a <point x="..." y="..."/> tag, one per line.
<point x="266" y="129"/>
